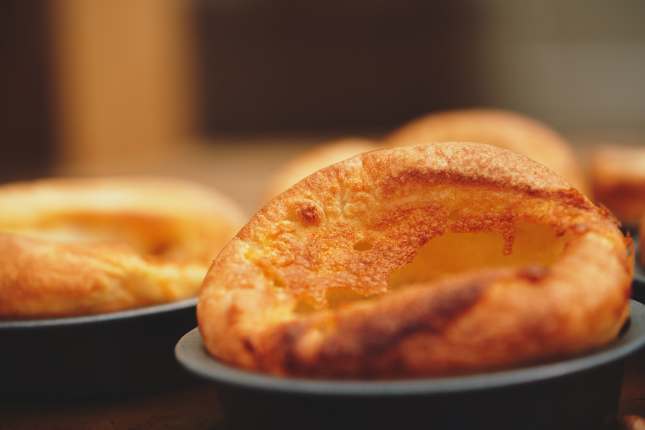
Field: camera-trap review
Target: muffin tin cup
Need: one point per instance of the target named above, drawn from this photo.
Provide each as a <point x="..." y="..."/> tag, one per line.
<point x="581" y="392"/>
<point x="94" y="356"/>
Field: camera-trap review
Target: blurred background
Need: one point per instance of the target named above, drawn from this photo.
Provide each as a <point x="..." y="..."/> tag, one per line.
<point x="225" y="91"/>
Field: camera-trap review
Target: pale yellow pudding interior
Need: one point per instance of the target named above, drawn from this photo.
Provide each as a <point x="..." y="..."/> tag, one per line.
<point x="147" y="235"/>
<point x="526" y="244"/>
<point x="452" y="253"/>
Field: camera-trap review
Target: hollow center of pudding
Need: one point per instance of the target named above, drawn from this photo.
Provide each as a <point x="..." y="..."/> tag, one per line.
<point x="453" y="253"/>
<point x="150" y="236"/>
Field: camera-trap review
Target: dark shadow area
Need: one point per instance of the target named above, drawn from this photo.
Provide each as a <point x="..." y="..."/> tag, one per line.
<point x="332" y="65"/>
<point x="26" y="125"/>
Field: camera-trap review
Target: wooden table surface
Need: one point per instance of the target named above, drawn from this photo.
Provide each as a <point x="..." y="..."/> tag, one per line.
<point x="196" y="407"/>
<point x="189" y="408"/>
<point x="240" y="169"/>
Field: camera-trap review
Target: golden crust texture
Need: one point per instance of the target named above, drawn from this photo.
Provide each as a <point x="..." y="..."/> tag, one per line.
<point x="505" y="129"/>
<point x="618" y="180"/>
<point x="83" y="246"/>
<point x="315" y="159"/>
<point x="426" y="260"/>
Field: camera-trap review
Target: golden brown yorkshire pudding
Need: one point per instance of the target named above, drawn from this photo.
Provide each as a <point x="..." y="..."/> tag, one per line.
<point x="315" y="159"/>
<point x="618" y="180"/>
<point x="425" y="260"/>
<point x="500" y="128"/>
<point x="82" y="246"/>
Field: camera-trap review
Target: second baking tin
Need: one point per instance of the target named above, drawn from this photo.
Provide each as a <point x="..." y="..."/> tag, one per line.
<point x="576" y="393"/>
<point x="93" y="356"/>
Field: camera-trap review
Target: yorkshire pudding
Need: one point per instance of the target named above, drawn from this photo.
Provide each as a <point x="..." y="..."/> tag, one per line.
<point x="500" y="128"/>
<point x="618" y="180"/>
<point x="436" y="259"/>
<point x="83" y="246"/>
<point x="315" y="159"/>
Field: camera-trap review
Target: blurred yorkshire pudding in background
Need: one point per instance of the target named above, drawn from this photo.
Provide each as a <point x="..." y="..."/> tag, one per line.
<point x="618" y="180"/>
<point x="501" y="128"/>
<point x="315" y="159"/>
<point x="83" y="246"/>
<point x="436" y="259"/>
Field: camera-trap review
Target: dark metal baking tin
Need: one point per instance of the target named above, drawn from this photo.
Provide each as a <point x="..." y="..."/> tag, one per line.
<point x="638" y="285"/>
<point x="629" y="228"/>
<point x="94" y="356"/>
<point x="576" y="393"/>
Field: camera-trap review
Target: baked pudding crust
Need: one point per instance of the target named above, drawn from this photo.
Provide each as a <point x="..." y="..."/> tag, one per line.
<point x="83" y="246"/>
<point x="323" y="281"/>
<point x="315" y="159"/>
<point x="496" y="127"/>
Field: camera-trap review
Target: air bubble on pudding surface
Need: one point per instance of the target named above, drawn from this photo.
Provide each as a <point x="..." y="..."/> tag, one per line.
<point x="363" y="245"/>
<point x="307" y="212"/>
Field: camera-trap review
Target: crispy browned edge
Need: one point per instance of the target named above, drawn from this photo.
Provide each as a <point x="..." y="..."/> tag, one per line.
<point x="443" y="328"/>
<point x="314" y="159"/>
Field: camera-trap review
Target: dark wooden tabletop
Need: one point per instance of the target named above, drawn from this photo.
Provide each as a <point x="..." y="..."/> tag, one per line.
<point x="632" y="402"/>
<point x="196" y="407"/>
